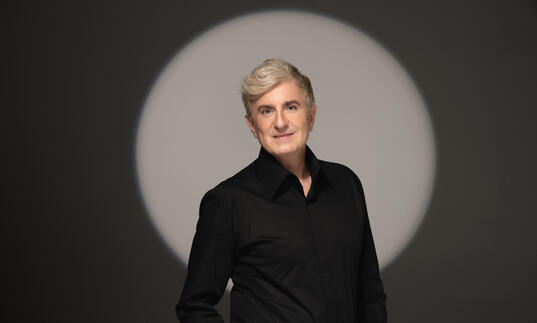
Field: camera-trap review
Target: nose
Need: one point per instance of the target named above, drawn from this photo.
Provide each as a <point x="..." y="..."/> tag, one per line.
<point x="281" y="120"/>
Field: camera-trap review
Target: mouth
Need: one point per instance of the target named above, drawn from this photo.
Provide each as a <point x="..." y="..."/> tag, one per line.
<point x="283" y="136"/>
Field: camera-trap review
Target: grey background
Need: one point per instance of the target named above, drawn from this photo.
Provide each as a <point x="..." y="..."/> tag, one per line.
<point x="77" y="244"/>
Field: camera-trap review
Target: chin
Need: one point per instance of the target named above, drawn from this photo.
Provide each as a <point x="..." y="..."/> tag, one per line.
<point x="281" y="149"/>
<point x="284" y="150"/>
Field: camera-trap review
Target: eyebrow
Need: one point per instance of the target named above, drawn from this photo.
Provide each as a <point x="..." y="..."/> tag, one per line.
<point x="285" y="104"/>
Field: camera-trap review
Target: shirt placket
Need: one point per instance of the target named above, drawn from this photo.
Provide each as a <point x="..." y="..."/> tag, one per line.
<point x="320" y="259"/>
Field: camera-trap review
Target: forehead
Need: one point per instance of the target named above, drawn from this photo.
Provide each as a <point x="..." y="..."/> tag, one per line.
<point x="284" y="91"/>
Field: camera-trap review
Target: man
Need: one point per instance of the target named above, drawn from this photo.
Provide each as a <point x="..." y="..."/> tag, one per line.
<point x="290" y="230"/>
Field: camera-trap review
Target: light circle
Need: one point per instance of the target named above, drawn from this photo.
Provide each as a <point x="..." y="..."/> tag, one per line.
<point x="371" y="118"/>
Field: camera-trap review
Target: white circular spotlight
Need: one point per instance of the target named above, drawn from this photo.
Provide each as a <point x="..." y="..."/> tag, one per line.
<point x="371" y="118"/>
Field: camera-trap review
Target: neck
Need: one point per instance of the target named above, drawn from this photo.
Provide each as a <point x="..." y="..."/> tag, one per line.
<point x="295" y="163"/>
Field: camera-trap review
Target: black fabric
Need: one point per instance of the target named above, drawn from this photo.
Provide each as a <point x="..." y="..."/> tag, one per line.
<point x="292" y="258"/>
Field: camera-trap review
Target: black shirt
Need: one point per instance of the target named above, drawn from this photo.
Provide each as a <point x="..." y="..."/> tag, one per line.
<point x="292" y="258"/>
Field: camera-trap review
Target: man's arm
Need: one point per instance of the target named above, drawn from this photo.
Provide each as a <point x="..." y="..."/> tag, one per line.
<point x="210" y="262"/>
<point x="373" y="304"/>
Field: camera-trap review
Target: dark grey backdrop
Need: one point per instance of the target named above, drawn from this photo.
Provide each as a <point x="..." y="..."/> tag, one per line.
<point x="77" y="245"/>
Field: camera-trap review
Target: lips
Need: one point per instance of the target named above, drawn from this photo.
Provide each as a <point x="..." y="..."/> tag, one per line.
<point x="283" y="135"/>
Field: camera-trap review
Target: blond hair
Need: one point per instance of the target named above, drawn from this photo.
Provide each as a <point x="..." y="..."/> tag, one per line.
<point x="268" y="75"/>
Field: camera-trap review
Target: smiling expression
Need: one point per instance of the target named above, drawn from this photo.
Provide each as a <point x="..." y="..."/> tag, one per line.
<point x="281" y="121"/>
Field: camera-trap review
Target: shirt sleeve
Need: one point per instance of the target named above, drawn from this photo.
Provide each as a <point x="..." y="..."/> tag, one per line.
<point x="372" y="290"/>
<point x="210" y="262"/>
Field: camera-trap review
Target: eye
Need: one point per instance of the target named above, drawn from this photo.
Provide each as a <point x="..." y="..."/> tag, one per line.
<point x="265" y="111"/>
<point x="292" y="107"/>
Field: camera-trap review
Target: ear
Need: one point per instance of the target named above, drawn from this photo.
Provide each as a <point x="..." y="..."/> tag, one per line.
<point x="250" y="125"/>
<point x="312" y="115"/>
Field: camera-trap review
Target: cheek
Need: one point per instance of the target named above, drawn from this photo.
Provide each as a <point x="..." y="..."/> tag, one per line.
<point x="263" y="127"/>
<point x="303" y="124"/>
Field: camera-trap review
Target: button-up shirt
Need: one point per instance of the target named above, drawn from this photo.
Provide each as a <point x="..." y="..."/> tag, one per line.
<point x="292" y="258"/>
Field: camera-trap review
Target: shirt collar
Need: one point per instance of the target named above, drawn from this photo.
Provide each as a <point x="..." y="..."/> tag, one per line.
<point x="271" y="173"/>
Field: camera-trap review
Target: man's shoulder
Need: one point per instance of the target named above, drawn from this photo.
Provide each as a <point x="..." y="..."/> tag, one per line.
<point x="342" y="176"/>
<point x="243" y="178"/>
<point x="337" y="170"/>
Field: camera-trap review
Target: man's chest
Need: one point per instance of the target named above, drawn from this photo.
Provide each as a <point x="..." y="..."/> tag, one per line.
<point x="294" y="230"/>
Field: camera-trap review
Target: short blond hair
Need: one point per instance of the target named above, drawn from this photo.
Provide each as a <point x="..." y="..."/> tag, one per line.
<point x="268" y="75"/>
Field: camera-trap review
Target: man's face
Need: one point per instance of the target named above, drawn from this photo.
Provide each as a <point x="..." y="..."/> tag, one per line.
<point x="281" y="120"/>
